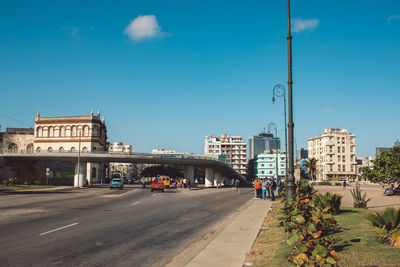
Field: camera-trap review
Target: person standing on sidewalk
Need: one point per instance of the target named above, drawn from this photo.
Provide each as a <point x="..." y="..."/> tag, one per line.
<point x="264" y="189"/>
<point x="268" y="185"/>
<point x="237" y="183"/>
<point x="280" y="185"/>
<point x="272" y="187"/>
<point x="258" y="188"/>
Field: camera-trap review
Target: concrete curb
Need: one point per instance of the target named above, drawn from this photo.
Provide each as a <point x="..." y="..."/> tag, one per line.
<point x="230" y="247"/>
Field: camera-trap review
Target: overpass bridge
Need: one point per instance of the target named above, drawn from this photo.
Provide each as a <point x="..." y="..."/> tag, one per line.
<point x="215" y="171"/>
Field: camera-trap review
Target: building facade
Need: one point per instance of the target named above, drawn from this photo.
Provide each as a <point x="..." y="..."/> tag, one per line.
<point x="379" y="150"/>
<point x="335" y="151"/>
<point x="361" y="163"/>
<point x="119" y="147"/>
<point x="66" y="134"/>
<point x="17" y="140"/>
<point x="302" y="153"/>
<point x="262" y="142"/>
<point x="265" y="164"/>
<point x="232" y="147"/>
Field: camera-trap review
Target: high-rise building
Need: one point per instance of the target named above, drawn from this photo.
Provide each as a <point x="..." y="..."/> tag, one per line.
<point x="233" y="147"/>
<point x="302" y="153"/>
<point x="379" y="150"/>
<point x="335" y="151"/>
<point x="262" y="142"/>
<point x="265" y="164"/>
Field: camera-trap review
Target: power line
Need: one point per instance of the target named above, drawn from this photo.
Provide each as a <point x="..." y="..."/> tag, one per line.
<point x="8" y="117"/>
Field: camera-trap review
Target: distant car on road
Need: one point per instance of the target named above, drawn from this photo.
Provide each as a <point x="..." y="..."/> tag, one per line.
<point x="117" y="183"/>
<point x="157" y="185"/>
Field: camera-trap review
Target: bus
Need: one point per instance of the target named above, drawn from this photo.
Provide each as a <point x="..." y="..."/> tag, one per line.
<point x="165" y="179"/>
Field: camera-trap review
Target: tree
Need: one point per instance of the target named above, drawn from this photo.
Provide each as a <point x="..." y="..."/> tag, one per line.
<point x="386" y="166"/>
<point x="312" y="167"/>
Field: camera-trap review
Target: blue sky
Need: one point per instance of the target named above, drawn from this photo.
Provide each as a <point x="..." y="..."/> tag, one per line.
<point x="185" y="69"/>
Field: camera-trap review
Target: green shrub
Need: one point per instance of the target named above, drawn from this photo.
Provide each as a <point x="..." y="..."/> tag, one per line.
<point x="360" y="200"/>
<point x="329" y="201"/>
<point x="37" y="182"/>
<point x="309" y="229"/>
<point x="324" y="183"/>
<point x="388" y="224"/>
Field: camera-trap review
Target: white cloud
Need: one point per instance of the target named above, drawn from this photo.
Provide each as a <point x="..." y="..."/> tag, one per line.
<point x="299" y="24"/>
<point x="394" y="17"/>
<point x="144" y="27"/>
<point x="73" y="30"/>
<point x="328" y="109"/>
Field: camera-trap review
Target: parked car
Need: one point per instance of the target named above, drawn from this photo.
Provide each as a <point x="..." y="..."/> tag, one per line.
<point x="117" y="183"/>
<point x="157" y="185"/>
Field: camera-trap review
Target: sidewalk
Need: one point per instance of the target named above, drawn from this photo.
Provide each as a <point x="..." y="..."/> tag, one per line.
<point x="229" y="248"/>
<point x="57" y="188"/>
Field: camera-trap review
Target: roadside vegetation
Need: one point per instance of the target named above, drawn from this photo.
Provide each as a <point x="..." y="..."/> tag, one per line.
<point x="316" y="231"/>
<point x="11" y="184"/>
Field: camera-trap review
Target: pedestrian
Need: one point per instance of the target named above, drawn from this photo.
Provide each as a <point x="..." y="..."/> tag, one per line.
<point x="233" y="184"/>
<point x="344" y="184"/>
<point x="254" y="186"/>
<point x="268" y="186"/>
<point x="280" y="185"/>
<point x="259" y="188"/>
<point x="272" y="187"/>
<point x="264" y="189"/>
<point x="237" y="183"/>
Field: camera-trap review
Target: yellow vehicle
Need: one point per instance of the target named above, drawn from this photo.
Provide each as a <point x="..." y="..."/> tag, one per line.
<point x="166" y="180"/>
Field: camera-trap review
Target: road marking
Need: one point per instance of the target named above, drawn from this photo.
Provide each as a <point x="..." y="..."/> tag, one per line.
<point x="137" y="202"/>
<point x="60" y="228"/>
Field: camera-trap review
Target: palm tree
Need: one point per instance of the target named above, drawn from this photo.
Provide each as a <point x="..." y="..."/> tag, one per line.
<point x="312" y="167"/>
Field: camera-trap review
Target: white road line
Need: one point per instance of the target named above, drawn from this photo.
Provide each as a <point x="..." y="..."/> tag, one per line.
<point x="60" y="228"/>
<point x="136" y="203"/>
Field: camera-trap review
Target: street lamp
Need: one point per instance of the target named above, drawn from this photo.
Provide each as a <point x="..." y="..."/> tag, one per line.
<point x="290" y="185"/>
<point x="272" y="126"/>
<point x="279" y="91"/>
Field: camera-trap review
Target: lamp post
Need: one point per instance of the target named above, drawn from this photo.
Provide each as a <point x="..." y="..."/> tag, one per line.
<point x="271" y="126"/>
<point x="279" y="91"/>
<point x="290" y="185"/>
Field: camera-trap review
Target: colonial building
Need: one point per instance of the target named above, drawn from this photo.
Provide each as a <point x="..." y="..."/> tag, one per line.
<point x="233" y="147"/>
<point x="67" y="134"/>
<point x="17" y="140"/>
<point x="335" y="151"/>
<point x="265" y="164"/>
<point x="262" y="142"/>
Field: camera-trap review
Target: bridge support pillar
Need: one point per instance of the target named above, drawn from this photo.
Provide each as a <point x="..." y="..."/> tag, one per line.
<point x="189" y="174"/>
<point x="89" y="172"/>
<point x="217" y="179"/>
<point x="79" y="177"/>
<point x="209" y="179"/>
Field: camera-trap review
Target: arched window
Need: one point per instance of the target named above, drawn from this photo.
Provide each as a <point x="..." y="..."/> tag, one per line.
<point x="39" y="132"/>
<point x="51" y="132"/>
<point x="56" y="131"/>
<point x="62" y="133"/>
<point x="86" y="131"/>
<point x="12" y="147"/>
<point x="73" y="149"/>
<point x="74" y="131"/>
<point x="85" y="150"/>
<point x="29" y="148"/>
<point x="61" y="149"/>
<point x="50" y="150"/>
<point x="38" y="149"/>
<point x="95" y="131"/>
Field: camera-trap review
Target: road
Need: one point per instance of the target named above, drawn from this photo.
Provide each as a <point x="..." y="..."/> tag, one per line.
<point x="99" y="227"/>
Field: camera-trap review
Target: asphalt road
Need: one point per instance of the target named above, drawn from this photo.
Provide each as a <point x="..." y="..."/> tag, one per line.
<point x="99" y="227"/>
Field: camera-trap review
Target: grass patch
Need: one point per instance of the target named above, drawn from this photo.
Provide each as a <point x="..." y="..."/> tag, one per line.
<point x="25" y="187"/>
<point x="360" y="245"/>
<point x="270" y="248"/>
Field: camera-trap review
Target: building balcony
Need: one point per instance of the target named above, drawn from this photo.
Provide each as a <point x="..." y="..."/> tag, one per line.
<point x="330" y="162"/>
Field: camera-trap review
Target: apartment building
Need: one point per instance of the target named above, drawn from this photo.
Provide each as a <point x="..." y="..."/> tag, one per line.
<point x="265" y="164"/>
<point x="122" y="167"/>
<point x="335" y="151"/>
<point x="233" y="147"/>
<point x="116" y="147"/>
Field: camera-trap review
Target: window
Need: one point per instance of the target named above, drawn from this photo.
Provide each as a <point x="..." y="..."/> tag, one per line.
<point x="73" y="149"/>
<point x="95" y="132"/>
<point x="74" y="131"/>
<point x="40" y="132"/>
<point x="61" y="149"/>
<point x="50" y="150"/>
<point x="282" y="165"/>
<point x="338" y="149"/>
<point x="62" y="132"/>
<point x="331" y="168"/>
<point x="343" y="149"/>
<point x="352" y="168"/>
<point x="343" y="158"/>
<point x="85" y="150"/>
<point x="270" y="172"/>
<point x="262" y="165"/>
<point x="338" y="158"/>
<point x="86" y="131"/>
<point x="262" y="172"/>
<point x="344" y="167"/>
<point x="338" y="167"/>
<point x="38" y="149"/>
<point x="343" y="140"/>
<point x="51" y="132"/>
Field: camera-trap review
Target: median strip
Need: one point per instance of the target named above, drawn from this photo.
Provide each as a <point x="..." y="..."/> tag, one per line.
<point x="60" y="228"/>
